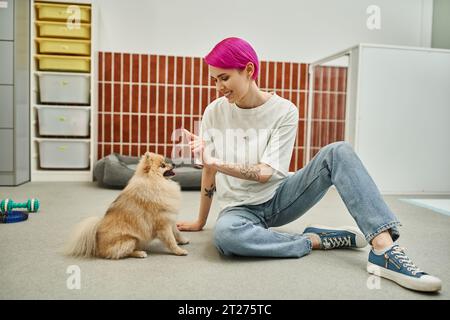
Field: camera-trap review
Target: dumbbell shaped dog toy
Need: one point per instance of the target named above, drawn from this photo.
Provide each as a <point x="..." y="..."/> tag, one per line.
<point x="32" y="205"/>
<point x="8" y="215"/>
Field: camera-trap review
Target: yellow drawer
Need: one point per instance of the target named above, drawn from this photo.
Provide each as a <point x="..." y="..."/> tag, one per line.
<point x="63" y="46"/>
<point x="63" y="30"/>
<point x="63" y="63"/>
<point x="62" y="12"/>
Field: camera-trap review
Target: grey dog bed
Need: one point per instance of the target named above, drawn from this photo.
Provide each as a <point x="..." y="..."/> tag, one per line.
<point x="115" y="170"/>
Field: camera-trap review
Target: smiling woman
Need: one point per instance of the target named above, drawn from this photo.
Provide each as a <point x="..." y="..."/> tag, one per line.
<point x="247" y="135"/>
<point x="256" y="193"/>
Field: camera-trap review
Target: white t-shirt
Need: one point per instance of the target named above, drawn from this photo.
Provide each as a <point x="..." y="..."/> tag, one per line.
<point x="264" y="134"/>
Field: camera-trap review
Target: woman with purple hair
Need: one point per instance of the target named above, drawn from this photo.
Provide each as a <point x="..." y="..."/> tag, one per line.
<point x="245" y="145"/>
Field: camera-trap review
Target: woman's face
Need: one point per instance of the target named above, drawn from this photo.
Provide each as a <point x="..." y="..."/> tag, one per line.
<point x="232" y="83"/>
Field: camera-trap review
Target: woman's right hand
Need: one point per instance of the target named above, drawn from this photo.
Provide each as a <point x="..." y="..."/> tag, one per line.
<point x="190" y="226"/>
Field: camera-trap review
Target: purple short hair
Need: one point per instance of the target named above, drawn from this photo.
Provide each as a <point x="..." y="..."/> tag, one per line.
<point x="233" y="53"/>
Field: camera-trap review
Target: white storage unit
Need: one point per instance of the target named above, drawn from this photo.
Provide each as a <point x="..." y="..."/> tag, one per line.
<point x="63" y="108"/>
<point x="397" y="115"/>
<point x="66" y="88"/>
<point x="64" y="154"/>
<point x="63" y="121"/>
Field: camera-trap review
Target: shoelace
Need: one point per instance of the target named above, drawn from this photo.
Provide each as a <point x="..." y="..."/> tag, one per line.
<point x="333" y="242"/>
<point x="400" y="255"/>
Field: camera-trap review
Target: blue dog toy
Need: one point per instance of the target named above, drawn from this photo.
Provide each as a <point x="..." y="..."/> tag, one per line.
<point x="13" y="216"/>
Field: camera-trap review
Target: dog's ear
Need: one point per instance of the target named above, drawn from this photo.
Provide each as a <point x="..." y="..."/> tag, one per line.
<point x="148" y="161"/>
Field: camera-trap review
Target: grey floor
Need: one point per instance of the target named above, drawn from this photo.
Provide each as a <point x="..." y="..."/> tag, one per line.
<point x="32" y="266"/>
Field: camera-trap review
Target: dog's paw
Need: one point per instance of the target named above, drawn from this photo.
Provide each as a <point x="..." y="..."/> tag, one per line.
<point x="183" y="241"/>
<point x="138" y="254"/>
<point x="181" y="252"/>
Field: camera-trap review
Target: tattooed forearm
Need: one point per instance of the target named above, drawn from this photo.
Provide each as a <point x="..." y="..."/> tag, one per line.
<point x="260" y="172"/>
<point x="252" y="172"/>
<point x="210" y="192"/>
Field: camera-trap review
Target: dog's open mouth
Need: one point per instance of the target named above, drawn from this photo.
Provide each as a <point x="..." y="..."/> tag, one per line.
<point x="169" y="173"/>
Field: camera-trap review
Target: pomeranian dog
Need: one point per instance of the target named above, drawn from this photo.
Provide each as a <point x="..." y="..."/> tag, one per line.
<point x="146" y="209"/>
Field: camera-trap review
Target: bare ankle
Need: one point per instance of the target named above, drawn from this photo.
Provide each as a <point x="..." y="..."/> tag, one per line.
<point x="315" y="241"/>
<point x="382" y="241"/>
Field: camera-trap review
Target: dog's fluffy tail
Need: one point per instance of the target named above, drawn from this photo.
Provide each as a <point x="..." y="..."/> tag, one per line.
<point x="82" y="242"/>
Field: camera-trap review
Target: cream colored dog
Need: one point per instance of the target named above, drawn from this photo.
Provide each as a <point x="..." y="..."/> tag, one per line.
<point x="146" y="209"/>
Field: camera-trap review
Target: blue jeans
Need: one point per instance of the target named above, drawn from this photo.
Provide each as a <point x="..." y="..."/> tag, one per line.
<point x="244" y="230"/>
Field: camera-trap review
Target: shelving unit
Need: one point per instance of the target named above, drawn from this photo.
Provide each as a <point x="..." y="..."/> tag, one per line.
<point x="62" y="90"/>
<point x="14" y="92"/>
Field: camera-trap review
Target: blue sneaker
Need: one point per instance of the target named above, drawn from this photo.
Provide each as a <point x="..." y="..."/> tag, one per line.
<point x="333" y="238"/>
<point x="395" y="265"/>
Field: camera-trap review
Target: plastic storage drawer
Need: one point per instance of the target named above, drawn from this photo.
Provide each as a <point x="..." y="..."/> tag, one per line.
<point x="62" y="12"/>
<point x="63" y="121"/>
<point x="64" y="154"/>
<point x="63" y="46"/>
<point x="63" y="30"/>
<point x="64" y="87"/>
<point x="63" y="63"/>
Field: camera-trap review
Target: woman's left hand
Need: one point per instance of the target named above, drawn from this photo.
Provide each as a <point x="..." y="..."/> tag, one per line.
<point x="197" y="146"/>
